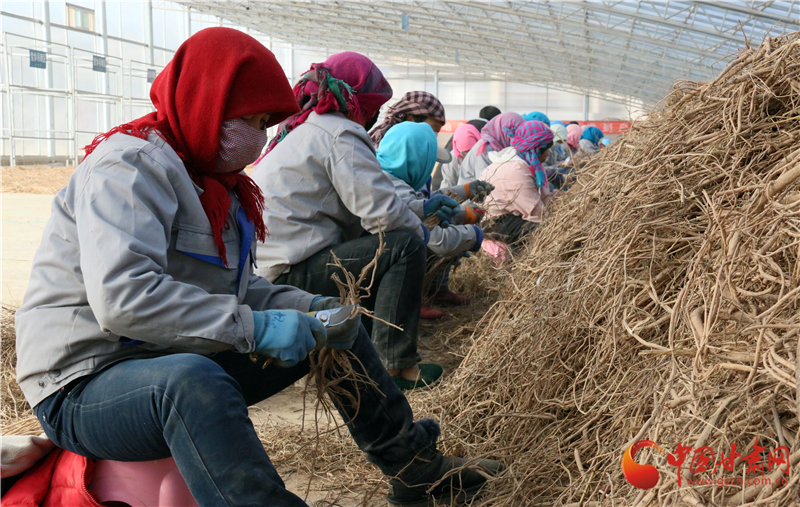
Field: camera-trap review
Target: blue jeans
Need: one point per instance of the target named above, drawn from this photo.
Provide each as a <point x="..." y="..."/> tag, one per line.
<point x="194" y="408"/>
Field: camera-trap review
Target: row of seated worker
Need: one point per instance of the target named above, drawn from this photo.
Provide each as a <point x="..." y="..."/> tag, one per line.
<point x="525" y="160"/>
<point x="165" y="270"/>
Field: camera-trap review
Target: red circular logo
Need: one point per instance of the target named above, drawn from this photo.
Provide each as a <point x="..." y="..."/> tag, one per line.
<point x="640" y="476"/>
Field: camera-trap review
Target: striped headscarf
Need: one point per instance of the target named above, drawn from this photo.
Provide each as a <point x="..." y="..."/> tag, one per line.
<point x="413" y="103"/>
<point x="498" y="133"/>
<point x="537" y="116"/>
<point x="346" y="82"/>
<point x="529" y="139"/>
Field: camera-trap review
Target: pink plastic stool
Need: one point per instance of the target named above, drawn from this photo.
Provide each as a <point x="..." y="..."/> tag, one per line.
<point x="140" y="484"/>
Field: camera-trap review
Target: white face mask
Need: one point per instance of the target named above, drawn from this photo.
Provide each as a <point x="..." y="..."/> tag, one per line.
<point x="239" y="145"/>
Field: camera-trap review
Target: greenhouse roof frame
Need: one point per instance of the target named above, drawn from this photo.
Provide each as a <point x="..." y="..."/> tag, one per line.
<point x="616" y="50"/>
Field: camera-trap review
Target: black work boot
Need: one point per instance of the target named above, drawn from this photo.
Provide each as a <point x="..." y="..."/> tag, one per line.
<point x="434" y="479"/>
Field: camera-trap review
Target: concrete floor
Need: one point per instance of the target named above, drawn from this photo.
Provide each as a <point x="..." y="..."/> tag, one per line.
<point x="23" y="219"/>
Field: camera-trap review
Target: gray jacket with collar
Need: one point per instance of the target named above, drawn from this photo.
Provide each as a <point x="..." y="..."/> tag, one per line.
<point x="453" y="240"/>
<point x="128" y="255"/>
<point x="324" y="186"/>
<point x="473" y="165"/>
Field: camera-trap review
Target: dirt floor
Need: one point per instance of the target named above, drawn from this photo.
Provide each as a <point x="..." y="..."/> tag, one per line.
<point x="35" y="179"/>
<point x="38" y="179"/>
<point x="284" y="422"/>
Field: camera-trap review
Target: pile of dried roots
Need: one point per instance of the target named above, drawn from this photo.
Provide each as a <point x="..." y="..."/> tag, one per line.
<point x="660" y="300"/>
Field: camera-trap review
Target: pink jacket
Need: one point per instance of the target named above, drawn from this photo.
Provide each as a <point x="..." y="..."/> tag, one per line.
<point x="515" y="191"/>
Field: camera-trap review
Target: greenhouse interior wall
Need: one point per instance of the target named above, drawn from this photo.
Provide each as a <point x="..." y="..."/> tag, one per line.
<point x="49" y="114"/>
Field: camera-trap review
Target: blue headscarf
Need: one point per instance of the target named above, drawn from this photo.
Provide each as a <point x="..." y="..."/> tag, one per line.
<point x="557" y="122"/>
<point x="408" y="152"/>
<point x="537" y="116"/>
<point x="593" y="134"/>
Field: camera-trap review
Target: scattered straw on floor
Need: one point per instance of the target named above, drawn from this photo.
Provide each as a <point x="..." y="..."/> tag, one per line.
<point x="16" y="416"/>
<point x="34" y="179"/>
<point x="40" y="179"/>
<point x="332" y="462"/>
<point x="660" y="300"/>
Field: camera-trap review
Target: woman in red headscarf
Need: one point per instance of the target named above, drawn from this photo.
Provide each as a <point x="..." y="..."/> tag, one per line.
<point x="142" y="308"/>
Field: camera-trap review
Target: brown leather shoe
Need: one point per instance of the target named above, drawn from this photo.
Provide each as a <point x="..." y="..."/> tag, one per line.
<point x="451" y="298"/>
<point x="430" y="313"/>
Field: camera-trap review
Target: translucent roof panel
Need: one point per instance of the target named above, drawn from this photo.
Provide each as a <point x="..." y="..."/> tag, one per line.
<point x="618" y="50"/>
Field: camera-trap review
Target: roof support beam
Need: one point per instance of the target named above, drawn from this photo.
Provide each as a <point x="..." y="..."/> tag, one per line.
<point x="605" y="48"/>
<point x="581" y="65"/>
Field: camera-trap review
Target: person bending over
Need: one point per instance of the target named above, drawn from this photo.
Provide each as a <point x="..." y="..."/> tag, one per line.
<point x="327" y="195"/>
<point x="407" y="155"/>
<point x="446" y="173"/>
<point x="590" y="140"/>
<point x="495" y="137"/>
<point x="517" y="204"/>
<point x="464" y="138"/>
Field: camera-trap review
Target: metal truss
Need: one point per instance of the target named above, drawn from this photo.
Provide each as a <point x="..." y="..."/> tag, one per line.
<point x="617" y="50"/>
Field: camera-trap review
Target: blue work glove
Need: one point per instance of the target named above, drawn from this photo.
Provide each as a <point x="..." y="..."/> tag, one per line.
<point x="478" y="239"/>
<point x="286" y="335"/>
<point x="343" y="336"/>
<point x="444" y="207"/>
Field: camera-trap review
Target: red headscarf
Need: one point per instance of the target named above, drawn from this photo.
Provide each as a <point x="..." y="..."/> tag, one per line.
<point x="216" y="75"/>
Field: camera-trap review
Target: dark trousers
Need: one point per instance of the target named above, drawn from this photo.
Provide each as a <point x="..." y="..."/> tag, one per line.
<point x="510" y="229"/>
<point x="396" y="294"/>
<point x="194" y="408"/>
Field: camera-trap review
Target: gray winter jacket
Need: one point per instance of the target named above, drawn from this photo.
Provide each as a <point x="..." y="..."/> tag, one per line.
<point x="324" y="186"/>
<point x="450" y="172"/>
<point x="128" y="268"/>
<point x="472" y="166"/>
<point x="453" y="240"/>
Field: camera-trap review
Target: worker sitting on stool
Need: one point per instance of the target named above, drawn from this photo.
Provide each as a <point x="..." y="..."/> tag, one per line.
<point x="142" y="308"/>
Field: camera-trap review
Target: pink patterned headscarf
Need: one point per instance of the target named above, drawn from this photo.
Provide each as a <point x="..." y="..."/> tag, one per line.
<point x="348" y="82"/>
<point x="464" y="139"/>
<point x="499" y="132"/>
<point x="574" y="134"/>
<point x="529" y="139"/>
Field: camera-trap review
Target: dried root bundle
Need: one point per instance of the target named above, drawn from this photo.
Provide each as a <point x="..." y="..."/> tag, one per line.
<point x="330" y="367"/>
<point x="660" y="300"/>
